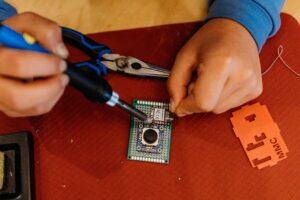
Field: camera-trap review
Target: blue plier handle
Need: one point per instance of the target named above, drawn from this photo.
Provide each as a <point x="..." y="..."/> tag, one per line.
<point x="90" y="47"/>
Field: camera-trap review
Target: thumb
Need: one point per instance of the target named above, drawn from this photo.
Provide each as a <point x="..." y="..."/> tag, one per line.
<point x="179" y="79"/>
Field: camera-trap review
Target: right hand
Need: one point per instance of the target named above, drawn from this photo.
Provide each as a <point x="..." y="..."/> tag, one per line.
<point x="18" y="97"/>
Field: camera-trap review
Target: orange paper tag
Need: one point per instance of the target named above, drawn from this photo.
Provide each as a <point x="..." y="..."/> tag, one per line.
<point x="259" y="135"/>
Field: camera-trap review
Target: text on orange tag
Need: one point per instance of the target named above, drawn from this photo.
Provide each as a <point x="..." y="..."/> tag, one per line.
<point x="259" y="135"/>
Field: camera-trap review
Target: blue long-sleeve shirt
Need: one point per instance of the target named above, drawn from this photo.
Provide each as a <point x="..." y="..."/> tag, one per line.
<point x="260" y="17"/>
<point x="6" y="10"/>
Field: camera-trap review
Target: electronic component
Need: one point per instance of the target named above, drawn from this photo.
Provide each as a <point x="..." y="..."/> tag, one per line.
<point x="150" y="136"/>
<point x="150" y="141"/>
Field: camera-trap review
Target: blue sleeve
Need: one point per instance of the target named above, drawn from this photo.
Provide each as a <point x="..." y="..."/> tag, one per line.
<point x="6" y="10"/>
<point x="260" y="17"/>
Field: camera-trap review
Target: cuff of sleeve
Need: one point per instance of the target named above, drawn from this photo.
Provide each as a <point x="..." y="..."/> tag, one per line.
<point x="246" y="12"/>
<point x="6" y="10"/>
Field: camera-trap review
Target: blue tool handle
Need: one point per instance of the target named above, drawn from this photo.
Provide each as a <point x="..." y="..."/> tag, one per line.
<point x="13" y="39"/>
<point x="95" y="89"/>
<point x="93" y="67"/>
<point x="91" y="47"/>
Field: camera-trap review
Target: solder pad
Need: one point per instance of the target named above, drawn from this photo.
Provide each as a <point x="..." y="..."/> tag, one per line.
<point x="139" y="147"/>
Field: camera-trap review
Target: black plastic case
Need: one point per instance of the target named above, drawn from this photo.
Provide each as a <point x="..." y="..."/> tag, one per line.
<point x="18" y="174"/>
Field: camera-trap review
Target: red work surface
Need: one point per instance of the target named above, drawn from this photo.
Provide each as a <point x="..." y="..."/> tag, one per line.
<point x="81" y="148"/>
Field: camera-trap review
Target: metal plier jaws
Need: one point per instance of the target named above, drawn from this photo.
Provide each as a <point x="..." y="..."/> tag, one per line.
<point x="133" y="66"/>
<point x="102" y="58"/>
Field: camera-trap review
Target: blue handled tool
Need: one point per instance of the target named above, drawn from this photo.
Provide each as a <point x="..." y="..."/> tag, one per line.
<point x="95" y="88"/>
<point x="13" y="39"/>
<point x="102" y="58"/>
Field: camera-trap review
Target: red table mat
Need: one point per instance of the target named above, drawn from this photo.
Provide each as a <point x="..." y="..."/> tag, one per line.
<point x="81" y="148"/>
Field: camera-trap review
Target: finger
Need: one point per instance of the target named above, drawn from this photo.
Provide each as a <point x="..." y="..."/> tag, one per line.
<point x="47" y="107"/>
<point x="179" y="79"/>
<point x="27" y="64"/>
<point x="47" y="32"/>
<point x="6" y="111"/>
<point x="239" y="97"/>
<point x="22" y="96"/>
<point x="191" y="88"/>
<point x="207" y="90"/>
<point x="229" y="88"/>
<point x="40" y="109"/>
<point x="236" y="82"/>
<point x="10" y="113"/>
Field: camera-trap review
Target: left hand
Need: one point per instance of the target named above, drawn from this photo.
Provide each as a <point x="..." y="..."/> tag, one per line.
<point x="225" y="59"/>
<point x="22" y="98"/>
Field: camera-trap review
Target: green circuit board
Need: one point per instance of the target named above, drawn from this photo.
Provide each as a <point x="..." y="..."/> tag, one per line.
<point x="150" y="142"/>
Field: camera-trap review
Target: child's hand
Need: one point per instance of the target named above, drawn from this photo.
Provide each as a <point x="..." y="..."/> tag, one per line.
<point x="225" y="59"/>
<point x="19" y="97"/>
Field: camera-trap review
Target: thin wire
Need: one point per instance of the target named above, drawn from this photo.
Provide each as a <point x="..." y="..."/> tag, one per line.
<point x="279" y="56"/>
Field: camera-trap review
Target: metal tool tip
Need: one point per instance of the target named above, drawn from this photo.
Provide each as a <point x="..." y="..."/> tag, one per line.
<point x="133" y="111"/>
<point x="148" y="120"/>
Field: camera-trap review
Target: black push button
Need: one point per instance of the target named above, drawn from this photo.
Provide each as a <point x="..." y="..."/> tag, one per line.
<point x="150" y="136"/>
